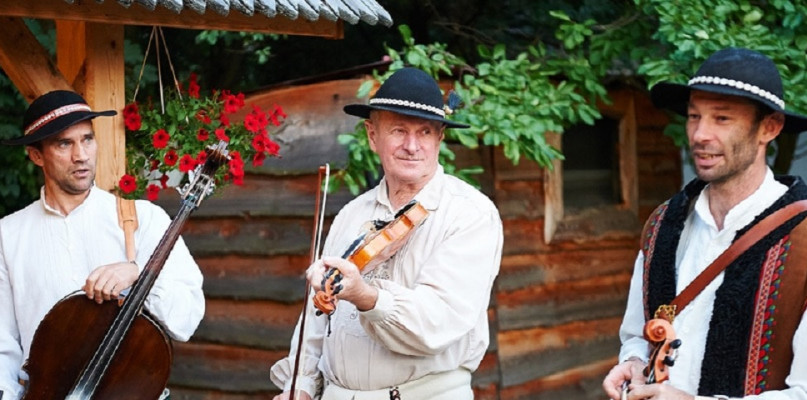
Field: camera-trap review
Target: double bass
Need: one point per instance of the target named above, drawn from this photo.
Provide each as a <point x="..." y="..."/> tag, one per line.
<point x="83" y="350"/>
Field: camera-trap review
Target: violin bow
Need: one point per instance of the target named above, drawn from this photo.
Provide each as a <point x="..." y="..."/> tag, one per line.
<point x="316" y="243"/>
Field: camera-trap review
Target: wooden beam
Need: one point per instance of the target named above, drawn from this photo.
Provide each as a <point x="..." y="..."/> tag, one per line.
<point x="92" y="55"/>
<point x="26" y="62"/>
<point x="111" y="12"/>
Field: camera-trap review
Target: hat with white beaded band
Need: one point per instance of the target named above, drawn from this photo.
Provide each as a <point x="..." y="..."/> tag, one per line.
<point x="736" y="72"/>
<point x="409" y="91"/>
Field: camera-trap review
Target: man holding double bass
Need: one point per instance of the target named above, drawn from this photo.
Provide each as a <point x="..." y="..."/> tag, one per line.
<point x="71" y="239"/>
<point x="415" y="325"/>
<point x="741" y="319"/>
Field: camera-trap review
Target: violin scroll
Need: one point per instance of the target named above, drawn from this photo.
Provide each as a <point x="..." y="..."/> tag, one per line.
<point x="659" y="332"/>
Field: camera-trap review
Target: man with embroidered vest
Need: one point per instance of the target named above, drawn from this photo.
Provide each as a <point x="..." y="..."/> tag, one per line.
<point x="70" y="239"/>
<point x="745" y="334"/>
<point x="414" y="326"/>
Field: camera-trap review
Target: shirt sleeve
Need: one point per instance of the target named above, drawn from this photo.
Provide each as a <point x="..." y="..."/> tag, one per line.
<point x="631" y="332"/>
<point x="10" y="347"/>
<point x="309" y="378"/>
<point x="451" y="292"/>
<point x="176" y="300"/>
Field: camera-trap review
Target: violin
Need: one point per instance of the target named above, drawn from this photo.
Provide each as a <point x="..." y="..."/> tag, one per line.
<point x="83" y="350"/>
<point x="660" y="333"/>
<point x="372" y="247"/>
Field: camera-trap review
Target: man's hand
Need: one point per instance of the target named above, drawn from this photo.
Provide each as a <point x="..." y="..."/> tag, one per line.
<point x="301" y="395"/>
<point x="629" y="371"/>
<point x="657" y="391"/>
<point x="106" y="282"/>
<point x="352" y="287"/>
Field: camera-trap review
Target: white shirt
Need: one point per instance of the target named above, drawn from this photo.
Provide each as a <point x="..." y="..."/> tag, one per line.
<point x="700" y="244"/>
<point x="431" y="312"/>
<point x="45" y="256"/>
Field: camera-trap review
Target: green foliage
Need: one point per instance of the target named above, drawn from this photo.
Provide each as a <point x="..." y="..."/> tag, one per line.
<point x="509" y="102"/>
<point x="19" y="179"/>
<point x="254" y="44"/>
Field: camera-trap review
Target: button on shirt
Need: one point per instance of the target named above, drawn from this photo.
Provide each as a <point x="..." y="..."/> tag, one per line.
<point x="433" y="295"/>
<point x="700" y="244"/>
<point x="45" y="256"/>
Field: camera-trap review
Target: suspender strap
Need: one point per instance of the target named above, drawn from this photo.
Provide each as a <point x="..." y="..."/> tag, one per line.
<point x="757" y="232"/>
<point x="127" y="219"/>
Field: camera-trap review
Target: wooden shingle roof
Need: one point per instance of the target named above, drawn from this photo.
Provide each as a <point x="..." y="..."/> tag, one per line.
<point x="350" y="11"/>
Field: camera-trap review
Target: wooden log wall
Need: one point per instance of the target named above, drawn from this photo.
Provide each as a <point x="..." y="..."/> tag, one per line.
<point x="555" y="310"/>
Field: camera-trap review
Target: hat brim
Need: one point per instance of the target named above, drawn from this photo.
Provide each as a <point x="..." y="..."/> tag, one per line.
<point x="363" y="111"/>
<point x="675" y="97"/>
<point x="58" y="125"/>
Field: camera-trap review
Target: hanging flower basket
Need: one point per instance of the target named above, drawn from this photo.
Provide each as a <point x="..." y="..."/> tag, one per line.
<point x="162" y="146"/>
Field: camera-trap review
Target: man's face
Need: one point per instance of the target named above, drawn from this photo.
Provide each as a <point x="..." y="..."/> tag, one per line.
<point x="68" y="159"/>
<point x="407" y="146"/>
<point x="725" y="137"/>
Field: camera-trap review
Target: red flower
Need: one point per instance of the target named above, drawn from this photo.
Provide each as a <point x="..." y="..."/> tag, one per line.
<point x="203" y="117"/>
<point x="221" y="135"/>
<point x="187" y="163"/>
<point x="132" y="121"/>
<point x="252" y="123"/>
<point x="193" y="87"/>
<point x="171" y="157"/>
<point x="160" y="139"/>
<point x="277" y="110"/>
<point x="201" y="157"/>
<point x="259" y="142"/>
<point x="272" y="148"/>
<point x="225" y="120"/>
<point x="257" y="159"/>
<point x="127" y="184"/>
<point x="164" y="181"/>
<point x="232" y="103"/>
<point x="258" y="118"/>
<point x="238" y="179"/>
<point x="152" y="192"/>
<point x="202" y="135"/>
<point x="130" y="108"/>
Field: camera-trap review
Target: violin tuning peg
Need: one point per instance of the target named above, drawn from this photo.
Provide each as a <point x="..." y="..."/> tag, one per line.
<point x="669" y="361"/>
<point x="675" y="343"/>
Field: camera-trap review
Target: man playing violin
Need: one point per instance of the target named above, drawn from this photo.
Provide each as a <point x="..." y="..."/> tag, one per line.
<point x="70" y="239"/>
<point x="414" y="326"/>
<point x="744" y="334"/>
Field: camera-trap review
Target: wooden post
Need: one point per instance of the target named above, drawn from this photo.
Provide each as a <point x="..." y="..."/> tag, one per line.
<point x="90" y="55"/>
<point x="26" y="62"/>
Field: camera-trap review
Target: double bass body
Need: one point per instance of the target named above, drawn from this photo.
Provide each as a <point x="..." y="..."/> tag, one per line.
<point x="70" y="334"/>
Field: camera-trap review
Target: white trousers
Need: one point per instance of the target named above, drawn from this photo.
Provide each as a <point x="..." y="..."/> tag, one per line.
<point x="451" y="385"/>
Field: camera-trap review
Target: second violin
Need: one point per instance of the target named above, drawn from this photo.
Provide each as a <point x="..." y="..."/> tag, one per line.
<point x="374" y="246"/>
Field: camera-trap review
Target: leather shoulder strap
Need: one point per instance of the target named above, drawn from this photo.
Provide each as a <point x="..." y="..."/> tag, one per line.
<point x="127" y="219"/>
<point x="742" y="244"/>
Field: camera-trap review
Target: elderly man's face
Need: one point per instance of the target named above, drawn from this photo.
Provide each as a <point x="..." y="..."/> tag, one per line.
<point x="407" y="146"/>
<point x="726" y="137"/>
<point x="68" y="159"/>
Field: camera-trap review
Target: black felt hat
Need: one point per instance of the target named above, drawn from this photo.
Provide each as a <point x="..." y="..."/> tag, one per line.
<point x="52" y="113"/>
<point x="409" y="91"/>
<point x="736" y="72"/>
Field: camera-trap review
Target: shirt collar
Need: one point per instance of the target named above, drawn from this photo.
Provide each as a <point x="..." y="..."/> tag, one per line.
<point x="429" y="196"/>
<point x="48" y="209"/>
<point x="745" y="211"/>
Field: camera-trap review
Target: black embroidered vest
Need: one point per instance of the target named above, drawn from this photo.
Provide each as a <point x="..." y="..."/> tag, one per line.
<point x="762" y="295"/>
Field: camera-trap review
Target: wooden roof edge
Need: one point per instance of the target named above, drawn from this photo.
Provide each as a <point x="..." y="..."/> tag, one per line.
<point x="111" y="12"/>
